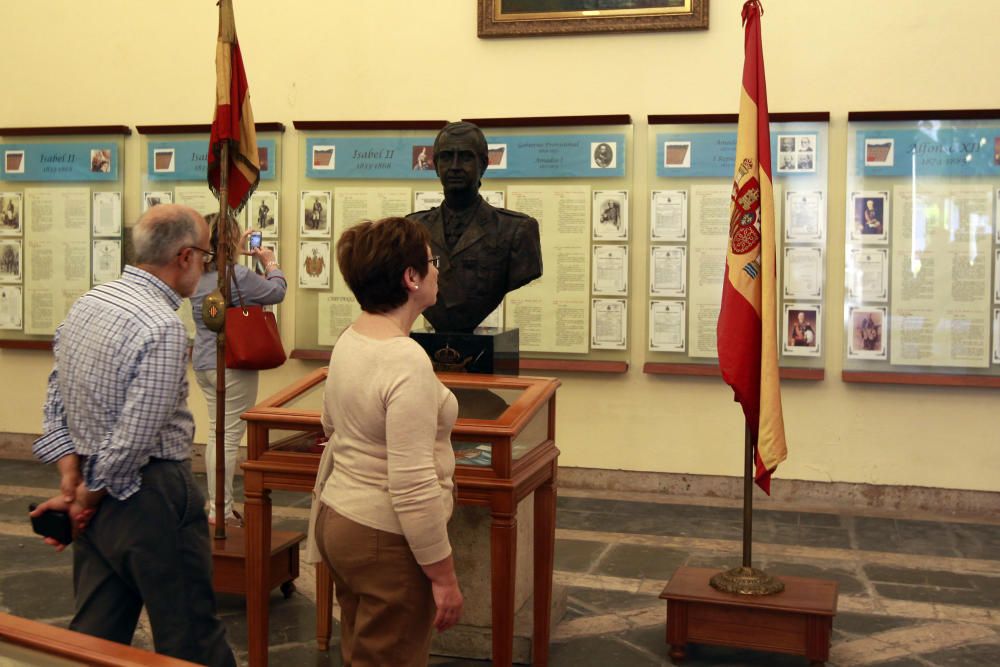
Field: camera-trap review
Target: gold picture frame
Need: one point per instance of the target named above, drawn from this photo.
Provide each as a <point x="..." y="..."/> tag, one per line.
<point x="529" y="18"/>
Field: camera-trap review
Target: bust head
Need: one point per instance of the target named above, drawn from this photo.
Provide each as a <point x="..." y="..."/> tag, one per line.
<point x="460" y="157"/>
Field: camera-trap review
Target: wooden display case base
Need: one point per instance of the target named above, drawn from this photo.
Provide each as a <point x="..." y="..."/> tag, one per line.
<point x="229" y="558"/>
<point x="798" y="620"/>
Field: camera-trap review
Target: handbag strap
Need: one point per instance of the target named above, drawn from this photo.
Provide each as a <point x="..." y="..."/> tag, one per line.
<point x="239" y="295"/>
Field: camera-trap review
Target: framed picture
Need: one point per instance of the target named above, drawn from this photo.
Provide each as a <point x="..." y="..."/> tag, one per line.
<point x="869" y="214"/>
<point x="802" y="327"/>
<point x="263" y="213"/>
<point x="10" y="307"/>
<point x="10" y="214"/>
<point x="10" y="261"/>
<point x="529" y="18"/>
<point x="866" y="333"/>
<point x="315" y="214"/>
<point x="610" y="215"/>
<point x="314" y="264"/>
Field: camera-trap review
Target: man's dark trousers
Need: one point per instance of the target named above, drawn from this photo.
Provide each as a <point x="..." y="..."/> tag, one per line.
<point x="152" y="549"/>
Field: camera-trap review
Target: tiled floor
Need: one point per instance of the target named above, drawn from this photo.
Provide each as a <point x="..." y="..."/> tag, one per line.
<point x="915" y="591"/>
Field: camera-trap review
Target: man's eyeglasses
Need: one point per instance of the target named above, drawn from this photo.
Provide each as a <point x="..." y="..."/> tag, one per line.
<point x="206" y="255"/>
<point x="434" y="261"/>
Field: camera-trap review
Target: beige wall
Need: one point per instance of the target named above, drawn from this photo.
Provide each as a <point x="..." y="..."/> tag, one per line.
<point x="78" y="62"/>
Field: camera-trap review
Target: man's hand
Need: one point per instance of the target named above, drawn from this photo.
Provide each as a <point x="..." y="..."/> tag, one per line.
<point x="78" y="516"/>
<point x="69" y="471"/>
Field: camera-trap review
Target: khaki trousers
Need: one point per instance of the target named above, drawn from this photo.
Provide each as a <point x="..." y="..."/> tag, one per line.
<point x="386" y="606"/>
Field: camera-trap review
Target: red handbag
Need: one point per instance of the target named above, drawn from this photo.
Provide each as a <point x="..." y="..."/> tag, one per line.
<point x="252" y="339"/>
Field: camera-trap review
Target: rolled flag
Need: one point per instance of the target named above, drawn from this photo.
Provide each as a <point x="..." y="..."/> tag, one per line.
<point x="233" y="121"/>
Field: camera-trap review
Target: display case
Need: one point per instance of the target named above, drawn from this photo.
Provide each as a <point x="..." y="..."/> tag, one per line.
<point x="504" y="441"/>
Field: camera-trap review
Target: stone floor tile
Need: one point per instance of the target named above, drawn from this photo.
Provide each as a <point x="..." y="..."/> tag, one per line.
<point x="39" y="593"/>
<point x="901" y="575"/>
<point x="968" y="598"/>
<point x="847" y="581"/>
<point x="640" y="562"/>
<point x="292" y="620"/>
<point x="30" y="552"/>
<point x="599" y="651"/>
<point x="577" y="555"/>
<point x="609" y="602"/>
<point x="978" y="541"/>
<point x="976" y="655"/>
<point x="299" y="655"/>
<point x="866" y="624"/>
<point x="15" y="508"/>
<point x="30" y="473"/>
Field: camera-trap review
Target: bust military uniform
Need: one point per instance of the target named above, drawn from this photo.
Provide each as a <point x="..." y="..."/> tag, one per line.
<point x="498" y="252"/>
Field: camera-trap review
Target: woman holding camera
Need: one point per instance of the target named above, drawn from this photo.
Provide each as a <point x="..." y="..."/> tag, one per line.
<point x="241" y="385"/>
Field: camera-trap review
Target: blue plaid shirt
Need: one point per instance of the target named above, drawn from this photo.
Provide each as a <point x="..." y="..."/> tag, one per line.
<point x="117" y="394"/>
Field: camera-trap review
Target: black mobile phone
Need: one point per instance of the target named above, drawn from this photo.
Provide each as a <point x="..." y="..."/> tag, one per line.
<point x="254" y="240"/>
<point x="52" y="523"/>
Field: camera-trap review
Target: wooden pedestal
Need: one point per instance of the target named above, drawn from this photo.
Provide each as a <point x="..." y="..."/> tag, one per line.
<point x="229" y="558"/>
<point x="798" y="620"/>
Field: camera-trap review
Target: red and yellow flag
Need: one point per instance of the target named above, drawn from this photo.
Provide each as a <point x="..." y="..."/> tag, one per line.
<point x="233" y="121"/>
<point x="748" y="329"/>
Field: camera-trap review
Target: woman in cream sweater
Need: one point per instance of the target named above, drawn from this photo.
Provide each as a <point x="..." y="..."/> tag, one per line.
<point x="382" y="525"/>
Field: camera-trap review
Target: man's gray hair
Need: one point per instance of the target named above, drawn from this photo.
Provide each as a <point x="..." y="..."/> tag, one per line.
<point x="162" y="232"/>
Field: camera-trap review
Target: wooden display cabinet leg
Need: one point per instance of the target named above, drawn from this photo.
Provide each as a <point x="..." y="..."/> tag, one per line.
<point x="503" y="563"/>
<point x="677" y="653"/>
<point x="258" y="545"/>
<point x="545" y="546"/>
<point x="324" y="605"/>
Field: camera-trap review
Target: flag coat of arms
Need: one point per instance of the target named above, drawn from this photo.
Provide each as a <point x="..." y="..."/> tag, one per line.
<point x="747" y="329"/>
<point x="233" y="120"/>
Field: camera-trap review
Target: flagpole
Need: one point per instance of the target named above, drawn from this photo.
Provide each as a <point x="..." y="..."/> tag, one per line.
<point x="748" y="461"/>
<point x="222" y="262"/>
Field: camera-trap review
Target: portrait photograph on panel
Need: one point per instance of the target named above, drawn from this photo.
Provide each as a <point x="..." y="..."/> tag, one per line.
<point x="867" y="332"/>
<point x="151" y="199"/>
<point x="10" y="261"/>
<point x="610" y="215"/>
<point x="802" y="330"/>
<point x="10" y="214"/>
<point x="603" y="155"/>
<point x="263" y="213"/>
<point x="315" y="214"/>
<point x="869" y="217"/>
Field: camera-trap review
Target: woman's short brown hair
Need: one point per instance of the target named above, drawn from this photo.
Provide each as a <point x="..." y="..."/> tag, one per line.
<point x="373" y="256"/>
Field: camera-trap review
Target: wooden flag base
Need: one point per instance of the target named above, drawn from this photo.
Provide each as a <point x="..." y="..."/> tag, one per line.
<point x="229" y="559"/>
<point x="798" y="620"/>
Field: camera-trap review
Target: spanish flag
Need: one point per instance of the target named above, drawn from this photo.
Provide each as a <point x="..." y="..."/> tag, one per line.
<point x="233" y="121"/>
<point x="747" y="329"/>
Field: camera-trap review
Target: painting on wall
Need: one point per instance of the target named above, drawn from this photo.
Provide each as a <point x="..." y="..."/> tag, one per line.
<point x="528" y="18"/>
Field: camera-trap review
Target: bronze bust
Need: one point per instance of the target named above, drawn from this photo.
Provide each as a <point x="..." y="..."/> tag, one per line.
<point x="485" y="252"/>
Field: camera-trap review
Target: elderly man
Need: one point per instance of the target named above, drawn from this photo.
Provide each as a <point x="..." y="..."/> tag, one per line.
<point x="485" y="252"/>
<point x="116" y="424"/>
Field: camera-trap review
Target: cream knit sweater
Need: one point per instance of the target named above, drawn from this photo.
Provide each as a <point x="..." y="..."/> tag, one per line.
<point x="391" y="420"/>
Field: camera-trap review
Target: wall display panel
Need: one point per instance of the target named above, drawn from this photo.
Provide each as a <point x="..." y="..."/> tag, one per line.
<point x="690" y="177"/>
<point x="551" y="169"/>
<point x="921" y="284"/>
<point x="574" y="176"/>
<point x="60" y="198"/>
<point x="175" y="170"/>
<point x="349" y="172"/>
